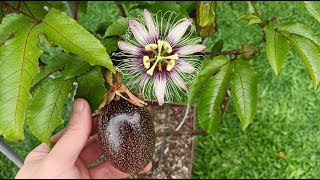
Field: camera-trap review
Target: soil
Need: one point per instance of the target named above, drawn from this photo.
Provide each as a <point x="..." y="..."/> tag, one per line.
<point x="174" y="153"/>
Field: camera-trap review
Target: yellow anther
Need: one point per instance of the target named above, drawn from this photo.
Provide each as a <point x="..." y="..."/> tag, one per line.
<point x="151" y="47"/>
<point x="167" y="47"/>
<point x="171" y="64"/>
<point x="145" y="63"/>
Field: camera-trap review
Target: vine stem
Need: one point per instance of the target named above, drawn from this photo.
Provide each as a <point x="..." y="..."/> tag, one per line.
<point x="8" y="7"/>
<point x="231" y="52"/>
<point x="255" y="9"/>
<point x="286" y="18"/>
<point x="12" y="9"/>
<point x="28" y="9"/>
<point x="2" y="11"/>
<point x="19" y="5"/>
<point x="234" y="51"/>
<point x="75" y="10"/>
<point x="122" y="12"/>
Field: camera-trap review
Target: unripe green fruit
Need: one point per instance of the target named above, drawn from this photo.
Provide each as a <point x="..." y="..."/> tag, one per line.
<point x="249" y="51"/>
<point x="206" y="18"/>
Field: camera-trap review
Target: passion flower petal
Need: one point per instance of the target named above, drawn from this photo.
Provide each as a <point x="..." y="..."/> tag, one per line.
<point x="184" y="66"/>
<point x="177" y="80"/>
<point x="190" y="49"/>
<point x="160" y="88"/>
<point x="153" y="31"/>
<point x="178" y="31"/>
<point x="124" y="46"/>
<point x="139" y="31"/>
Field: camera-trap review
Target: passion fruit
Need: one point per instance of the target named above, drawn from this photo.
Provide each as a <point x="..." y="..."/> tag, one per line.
<point x="126" y="135"/>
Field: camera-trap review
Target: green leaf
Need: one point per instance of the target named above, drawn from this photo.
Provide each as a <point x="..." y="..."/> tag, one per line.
<point x="91" y="87"/>
<point x="75" y="67"/>
<point x="298" y="29"/>
<point x="2" y="14"/>
<point x="247" y="17"/>
<point x="46" y="107"/>
<point x="49" y="52"/>
<point x="82" y="6"/>
<point x="254" y="21"/>
<point x="44" y="44"/>
<point x="251" y="7"/>
<point x="44" y="73"/>
<point x="65" y="31"/>
<point x="171" y="6"/>
<point x="218" y="46"/>
<point x="102" y="27"/>
<point x="117" y="28"/>
<point x="168" y="6"/>
<point x="59" y="5"/>
<point x="48" y="57"/>
<point x="309" y="53"/>
<point x="276" y="48"/>
<point x="18" y="67"/>
<point x="130" y="5"/>
<point x="111" y="43"/>
<point x="251" y="18"/>
<point x="57" y="62"/>
<point x="189" y="6"/>
<point x="10" y="24"/>
<point x="244" y="91"/>
<point x="34" y="9"/>
<point x="313" y="7"/>
<point x="209" y="112"/>
<point x="209" y="68"/>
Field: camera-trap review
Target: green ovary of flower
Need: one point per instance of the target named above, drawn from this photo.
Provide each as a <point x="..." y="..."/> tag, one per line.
<point x="159" y="50"/>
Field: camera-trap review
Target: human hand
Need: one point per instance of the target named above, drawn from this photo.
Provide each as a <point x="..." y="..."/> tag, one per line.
<point x="72" y="152"/>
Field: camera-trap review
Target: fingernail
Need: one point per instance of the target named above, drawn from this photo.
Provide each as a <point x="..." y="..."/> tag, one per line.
<point x="78" y="106"/>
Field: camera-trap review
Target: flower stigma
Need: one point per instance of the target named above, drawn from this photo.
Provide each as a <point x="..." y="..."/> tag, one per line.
<point x="161" y="54"/>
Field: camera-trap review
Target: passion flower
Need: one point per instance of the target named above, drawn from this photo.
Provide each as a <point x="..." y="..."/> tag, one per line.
<point x="157" y="55"/>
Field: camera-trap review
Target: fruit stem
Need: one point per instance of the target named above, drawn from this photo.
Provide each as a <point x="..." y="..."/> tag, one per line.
<point x="117" y="88"/>
<point x="133" y="99"/>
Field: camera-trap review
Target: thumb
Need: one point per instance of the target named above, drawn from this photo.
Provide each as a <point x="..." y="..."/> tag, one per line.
<point x="68" y="148"/>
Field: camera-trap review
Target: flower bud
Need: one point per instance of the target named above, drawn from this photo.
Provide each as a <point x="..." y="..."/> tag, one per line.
<point x="248" y="51"/>
<point x="206" y="18"/>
